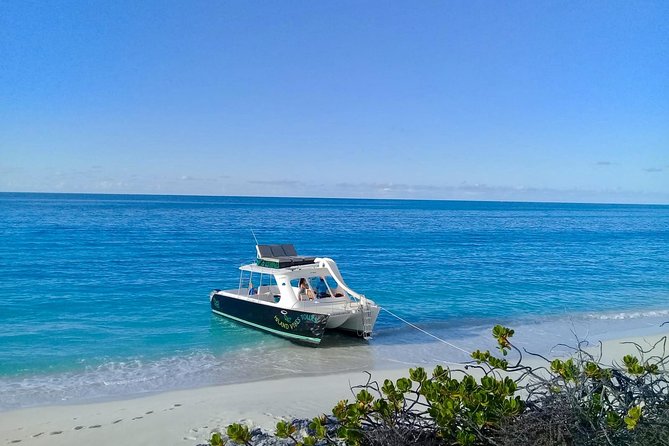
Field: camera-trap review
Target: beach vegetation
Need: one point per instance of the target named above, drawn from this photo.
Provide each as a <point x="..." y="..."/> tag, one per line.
<point x="574" y="401"/>
<point x="286" y="430"/>
<point x="216" y="439"/>
<point x="239" y="433"/>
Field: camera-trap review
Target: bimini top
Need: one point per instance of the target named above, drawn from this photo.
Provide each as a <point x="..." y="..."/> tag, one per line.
<point x="280" y="256"/>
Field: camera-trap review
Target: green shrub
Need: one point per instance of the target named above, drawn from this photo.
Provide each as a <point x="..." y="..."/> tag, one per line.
<point x="239" y="433"/>
<point x="576" y="401"/>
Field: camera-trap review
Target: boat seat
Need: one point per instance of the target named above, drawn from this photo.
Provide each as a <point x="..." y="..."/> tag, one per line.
<point x="281" y="256"/>
<point x="289" y="250"/>
<point x="285" y="250"/>
<point x="278" y="251"/>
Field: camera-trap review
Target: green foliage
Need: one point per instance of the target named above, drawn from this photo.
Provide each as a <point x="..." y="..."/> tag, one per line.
<point x="285" y="429"/>
<point x="633" y="417"/>
<point x="458" y="410"/>
<point x="487" y="358"/>
<point x="567" y="370"/>
<point x="339" y="410"/>
<point x="364" y="398"/>
<point x="418" y="374"/>
<point x="502" y="335"/>
<point x="318" y="426"/>
<point x="465" y="438"/>
<point x="573" y="398"/>
<point x="307" y="441"/>
<point x="612" y="420"/>
<point x="239" y="433"/>
<point x="632" y="364"/>
<point x="216" y="439"/>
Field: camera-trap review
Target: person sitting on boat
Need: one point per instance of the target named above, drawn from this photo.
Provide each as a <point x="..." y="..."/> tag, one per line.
<point x="252" y="290"/>
<point x="305" y="292"/>
<point x="322" y="288"/>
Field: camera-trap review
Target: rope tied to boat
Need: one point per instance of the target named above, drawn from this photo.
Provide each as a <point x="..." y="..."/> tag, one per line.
<point x="426" y="332"/>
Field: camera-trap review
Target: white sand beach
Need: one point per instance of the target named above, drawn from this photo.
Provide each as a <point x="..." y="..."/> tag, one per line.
<point x="181" y="417"/>
<point x="188" y="417"/>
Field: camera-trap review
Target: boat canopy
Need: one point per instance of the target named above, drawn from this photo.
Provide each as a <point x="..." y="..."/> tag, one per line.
<point x="290" y="266"/>
<point x="310" y="269"/>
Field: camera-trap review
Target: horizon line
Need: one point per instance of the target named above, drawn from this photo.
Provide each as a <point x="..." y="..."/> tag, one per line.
<point x="332" y="198"/>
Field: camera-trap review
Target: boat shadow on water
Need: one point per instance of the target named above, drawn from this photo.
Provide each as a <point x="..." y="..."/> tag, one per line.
<point x="334" y="339"/>
<point x="222" y="328"/>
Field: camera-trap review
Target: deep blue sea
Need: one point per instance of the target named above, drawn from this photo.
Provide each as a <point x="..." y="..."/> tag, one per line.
<point x="106" y="296"/>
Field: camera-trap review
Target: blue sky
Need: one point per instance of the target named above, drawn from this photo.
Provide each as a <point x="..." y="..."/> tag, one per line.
<point x="483" y="100"/>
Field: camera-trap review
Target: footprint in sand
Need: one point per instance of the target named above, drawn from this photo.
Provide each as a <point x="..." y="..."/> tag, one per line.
<point x="37" y="435"/>
<point x="76" y="428"/>
<point x="117" y="421"/>
<point x="56" y="433"/>
<point x="95" y="426"/>
<point x="137" y="418"/>
<point x="15" y="441"/>
<point x="149" y="412"/>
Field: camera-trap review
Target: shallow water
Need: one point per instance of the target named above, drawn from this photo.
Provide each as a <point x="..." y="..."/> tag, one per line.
<point x="107" y="295"/>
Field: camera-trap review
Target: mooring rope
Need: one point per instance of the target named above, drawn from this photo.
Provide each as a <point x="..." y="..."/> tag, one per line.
<point x="427" y="333"/>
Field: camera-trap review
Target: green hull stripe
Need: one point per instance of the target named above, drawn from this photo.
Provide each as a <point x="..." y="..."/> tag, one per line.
<point x="262" y="327"/>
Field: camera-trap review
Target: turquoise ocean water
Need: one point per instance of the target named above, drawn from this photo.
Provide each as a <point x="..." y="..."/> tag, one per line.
<point x="106" y="296"/>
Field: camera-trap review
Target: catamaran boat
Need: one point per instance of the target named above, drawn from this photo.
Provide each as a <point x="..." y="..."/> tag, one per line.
<point x="296" y="297"/>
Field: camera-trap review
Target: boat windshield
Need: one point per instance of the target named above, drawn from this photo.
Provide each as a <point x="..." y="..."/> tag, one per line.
<point x="322" y="286"/>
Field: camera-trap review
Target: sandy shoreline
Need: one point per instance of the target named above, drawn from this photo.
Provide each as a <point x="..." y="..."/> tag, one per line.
<point x="179" y="417"/>
<point x="189" y="416"/>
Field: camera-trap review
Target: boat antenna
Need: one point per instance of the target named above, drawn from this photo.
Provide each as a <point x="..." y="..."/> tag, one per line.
<point x="254" y="237"/>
